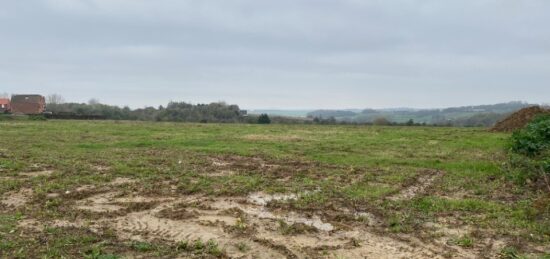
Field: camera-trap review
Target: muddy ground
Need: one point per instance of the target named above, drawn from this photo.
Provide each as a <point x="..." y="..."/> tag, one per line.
<point x="255" y="225"/>
<point x="235" y="222"/>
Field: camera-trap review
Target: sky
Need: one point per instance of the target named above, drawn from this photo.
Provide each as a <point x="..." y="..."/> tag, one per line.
<point x="285" y="54"/>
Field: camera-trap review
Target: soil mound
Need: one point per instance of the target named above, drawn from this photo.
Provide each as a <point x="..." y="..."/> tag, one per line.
<point x="519" y="119"/>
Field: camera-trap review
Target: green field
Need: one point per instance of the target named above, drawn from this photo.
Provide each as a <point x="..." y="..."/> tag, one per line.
<point x="114" y="189"/>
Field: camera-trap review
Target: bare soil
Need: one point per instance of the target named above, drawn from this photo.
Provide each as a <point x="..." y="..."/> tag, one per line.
<point x="256" y="221"/>
<point x="17" y="199"/>
<point x="37" y="173"/>
<point x="267" y="225"/>
<point x="266" y="231"/>
<point x="420" y="186"/>
<point x="519" y="119"/>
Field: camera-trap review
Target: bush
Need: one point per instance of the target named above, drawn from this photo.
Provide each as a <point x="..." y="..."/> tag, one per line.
<point x="530" y="151"/>
<point x="10" y="117"/>
<point x="5" y="117"/>
<point x="534" y="139"/>
<point x="264" y="119"/>
<point x="37" y="118"/>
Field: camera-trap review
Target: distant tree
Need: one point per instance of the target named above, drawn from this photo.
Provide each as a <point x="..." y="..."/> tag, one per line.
<point x="381" y="121"/>
<point x="331" y="120"/>
<point x="410" y="122"/>
<point x="55" y="99"/>
<point x="264" y="119"/>
<point x="93" y="101"/>
<point x="4" y="95"/>
<point x="174" y="111"/>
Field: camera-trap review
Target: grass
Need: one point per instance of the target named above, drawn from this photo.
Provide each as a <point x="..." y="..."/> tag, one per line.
<point x="464" y="241"/>
<point x="350" y="166"/>
<point x="200" y="248"/>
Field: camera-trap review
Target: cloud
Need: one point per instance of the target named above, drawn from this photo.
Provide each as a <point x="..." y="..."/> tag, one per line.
<point x="288" y="53"/>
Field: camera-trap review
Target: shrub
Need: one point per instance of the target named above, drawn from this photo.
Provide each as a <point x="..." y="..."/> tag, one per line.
<point x="37" y="118"/>
<point x="530" y="151"/>
<point x="534" y="139"/>
<point x="264" y="119"/>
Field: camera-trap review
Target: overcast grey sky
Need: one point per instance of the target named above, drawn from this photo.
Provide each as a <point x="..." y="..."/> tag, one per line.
<point x="278" y="54"/>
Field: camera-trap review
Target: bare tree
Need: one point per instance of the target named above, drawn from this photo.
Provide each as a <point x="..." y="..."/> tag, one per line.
<point x="4" y="95"/>
<point x="55" y="99"/>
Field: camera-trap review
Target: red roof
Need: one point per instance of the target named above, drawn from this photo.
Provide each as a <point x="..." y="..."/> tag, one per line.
<point x="4" y="101"/>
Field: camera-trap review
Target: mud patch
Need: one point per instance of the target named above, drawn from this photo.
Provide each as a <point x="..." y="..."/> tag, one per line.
<point x="275" y="169"/>
<point x="122" y="181"/>
<point x="242" y="162"/>
<point x="219" y="163"/>
<point x="178" y="213"/>
<point x="257" y="137"/>
<point x="422" y="183"/>
<point x="70" y="224"/>
<point x="203" y="225"/>
<point x="222" y="173"/>
<point x="262" y="199"/>
<point x="234" y="222"/>
<point x="113" y="202"/>
<point x="85" y="188"/>
<point x="37" y="173"/>
<point x="30" y="224"/>
<point x="255" y="206"/>
<point x="17" y="199"/>
<point x="101" y="168"/>
<point x="367" y="217"/>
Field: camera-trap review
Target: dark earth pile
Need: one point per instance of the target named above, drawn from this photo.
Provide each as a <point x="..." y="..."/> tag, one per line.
<point x="519" y="119"/>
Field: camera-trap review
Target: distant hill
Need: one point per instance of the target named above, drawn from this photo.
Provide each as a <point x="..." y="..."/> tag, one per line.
<point x="331" y="113"/>
<point x="285" y="113"/>
<point x="479" y="115"/>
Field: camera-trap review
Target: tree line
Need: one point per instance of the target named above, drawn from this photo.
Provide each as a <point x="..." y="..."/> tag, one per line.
<point x="174" y="111"/>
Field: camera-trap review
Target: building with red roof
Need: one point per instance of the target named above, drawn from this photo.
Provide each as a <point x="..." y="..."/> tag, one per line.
<point x="4" y="105"/>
